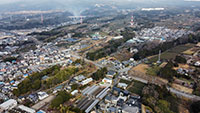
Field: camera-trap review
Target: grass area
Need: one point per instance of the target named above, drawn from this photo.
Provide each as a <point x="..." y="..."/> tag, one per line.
<point x="153" y="71"/>
<point x="125" y="81"/>
<point x="189" y="52"/>
<point x="137" y="87"/>
<point x="172" y="53"/>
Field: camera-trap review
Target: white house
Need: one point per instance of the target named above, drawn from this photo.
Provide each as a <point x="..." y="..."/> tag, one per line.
<point x="107" y="81"/>
<point x="42" y="95"/>
<point x="197" y="63"/>
<point x="88" y="80"/>
<point x="74" y="92"/>
<point x="122" y="85"/>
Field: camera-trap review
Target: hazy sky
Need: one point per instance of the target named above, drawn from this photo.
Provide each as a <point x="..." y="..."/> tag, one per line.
<point x="11" y="1"/>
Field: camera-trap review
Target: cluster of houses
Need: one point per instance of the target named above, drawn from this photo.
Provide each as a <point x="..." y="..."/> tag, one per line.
<point x="120" y="101"/>
<point x="12" y="73"/>
<point x="46" y="54"/>
<point x="35" y="97"/>
<point x="10" y="44"/>
<point x="158" y="33"/>
<point x="112" y="63"/>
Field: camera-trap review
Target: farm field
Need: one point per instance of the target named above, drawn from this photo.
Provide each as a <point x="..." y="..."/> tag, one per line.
<point x="172" y="53"/>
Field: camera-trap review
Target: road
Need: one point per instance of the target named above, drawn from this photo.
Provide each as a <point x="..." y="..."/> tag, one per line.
<point x="172" y="90"/>
<point x="182" y="94"/>
<point x="43" y="102"/>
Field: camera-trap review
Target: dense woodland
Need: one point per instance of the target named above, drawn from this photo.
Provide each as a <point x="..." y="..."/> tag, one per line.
<point x="34" y="82"/>
<point x="99" y="74"/>
<point x="159" y="99"/>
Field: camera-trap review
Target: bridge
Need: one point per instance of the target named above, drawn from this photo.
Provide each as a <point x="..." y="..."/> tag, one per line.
<point x="76" y="17"/>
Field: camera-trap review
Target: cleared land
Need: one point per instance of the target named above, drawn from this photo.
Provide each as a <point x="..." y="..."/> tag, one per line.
<point x="141" y="68"/>
<point x="182" y="88"/>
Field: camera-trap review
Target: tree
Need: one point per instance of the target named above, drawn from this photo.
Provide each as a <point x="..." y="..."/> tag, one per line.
<point x="16" y="92"/>
<point x="168" y="72"/>
<point x="100" y="73"/>
<point x="60" y="98"/>
<point x="195" y="107"/>
<point x="36" y="85"/>
<point x="74" y="86"/>
<point x="180" y="59"/>
<point x="57" y="101"/>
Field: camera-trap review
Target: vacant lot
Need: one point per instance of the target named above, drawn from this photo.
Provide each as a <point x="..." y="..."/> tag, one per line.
<point x="182" y="88"/>
<point x="142" y="68"/>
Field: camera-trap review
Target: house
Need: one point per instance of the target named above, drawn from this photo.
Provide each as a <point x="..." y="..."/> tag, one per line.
<point x="117" y="37"/>
<point x="197" y="63"/>
<point x="116" y="90"/>
<point x="79" y="78"/>
<point x="130" y="109"/>
<point x="42" y="95"/>
<point x="122" y="85"/>
<point x="8" y="105"/>
<point x="110" y="74"/>
<point x="107" y="81"/>
<point x="112" y="110"/>
<point x="120" y="102"/>
<point x="111" y="99"/>
<point x="74" y="92"/>
<point x="88" y="80"/>
<point x="33" y="98"/>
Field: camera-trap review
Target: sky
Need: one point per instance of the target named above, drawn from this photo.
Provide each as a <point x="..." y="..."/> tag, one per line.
<point x="12" y="1"/>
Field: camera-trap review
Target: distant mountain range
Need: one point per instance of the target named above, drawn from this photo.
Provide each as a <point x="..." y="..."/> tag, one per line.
<point x="76" y="6"/>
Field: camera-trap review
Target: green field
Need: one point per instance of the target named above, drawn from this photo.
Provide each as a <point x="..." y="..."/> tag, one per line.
<point x="172" y="53"/>
<point x="137" y="87"/>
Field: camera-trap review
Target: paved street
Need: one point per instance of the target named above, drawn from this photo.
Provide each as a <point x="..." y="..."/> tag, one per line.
<point x="42" y="103"/>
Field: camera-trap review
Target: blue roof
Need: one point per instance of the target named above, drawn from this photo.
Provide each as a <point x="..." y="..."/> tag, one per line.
<point x="71" y="40"/>
<point x="12" y="81"/>
<point x="25" y="75"/>
<point x="45" y="77"/>
<point x="41" y="111"/>
<point x="1" y="83"/>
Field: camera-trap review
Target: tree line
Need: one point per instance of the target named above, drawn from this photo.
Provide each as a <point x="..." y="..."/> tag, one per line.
<point x="34" y="82"/>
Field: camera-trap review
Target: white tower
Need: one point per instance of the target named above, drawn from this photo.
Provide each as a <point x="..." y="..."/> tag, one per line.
<point x="159" y="57"/>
